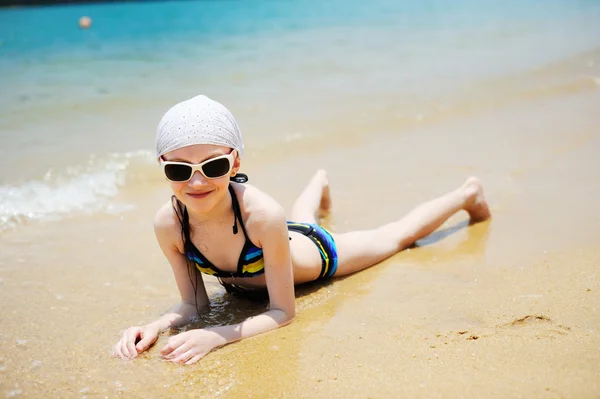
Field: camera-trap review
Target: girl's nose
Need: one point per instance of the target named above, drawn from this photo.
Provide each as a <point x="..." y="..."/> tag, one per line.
<point x="197" y="179"/>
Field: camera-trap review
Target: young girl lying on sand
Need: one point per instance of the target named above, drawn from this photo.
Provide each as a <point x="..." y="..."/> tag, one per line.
<point x="216" y="225"/>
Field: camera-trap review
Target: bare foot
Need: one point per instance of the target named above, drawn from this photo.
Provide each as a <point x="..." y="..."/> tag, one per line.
<point x="325" y="204"/>
<point x="475" y="203"/>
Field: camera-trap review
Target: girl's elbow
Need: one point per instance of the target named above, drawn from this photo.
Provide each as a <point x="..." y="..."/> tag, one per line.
<point x="283" y="317"/>
<point x="290" y="316"/>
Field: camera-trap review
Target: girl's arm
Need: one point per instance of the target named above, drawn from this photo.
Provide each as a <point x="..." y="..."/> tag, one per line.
<point x="190" y="346"/>
<point x="139" y="338"/>
<point x="190" y="285"/>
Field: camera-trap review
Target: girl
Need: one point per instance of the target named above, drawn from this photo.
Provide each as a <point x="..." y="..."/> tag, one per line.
<point x="216" y="225"/>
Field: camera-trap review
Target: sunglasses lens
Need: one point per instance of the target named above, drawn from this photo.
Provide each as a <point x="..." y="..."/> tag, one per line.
<point x="178" y="172"/>
<point x="216" y="168"/>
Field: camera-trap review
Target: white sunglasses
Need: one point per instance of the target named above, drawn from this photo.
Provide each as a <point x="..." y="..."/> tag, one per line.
<point x="213" y="168"/>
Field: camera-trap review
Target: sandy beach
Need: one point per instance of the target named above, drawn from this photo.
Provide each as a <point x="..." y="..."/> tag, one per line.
<point x="400" y="102"/>
<point x="504" y="308"/>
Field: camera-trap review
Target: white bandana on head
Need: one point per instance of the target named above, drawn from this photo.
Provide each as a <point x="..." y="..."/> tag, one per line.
<point x="198" y="120"/>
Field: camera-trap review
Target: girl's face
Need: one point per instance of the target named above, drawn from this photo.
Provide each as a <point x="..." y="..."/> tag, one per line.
<point x="201" y="194"/>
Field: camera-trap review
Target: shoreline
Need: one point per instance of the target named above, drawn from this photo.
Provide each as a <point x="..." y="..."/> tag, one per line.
<point x="116" y="174"/>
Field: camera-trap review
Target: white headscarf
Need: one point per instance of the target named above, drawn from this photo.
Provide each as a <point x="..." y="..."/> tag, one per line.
<point x="198" y="120"/>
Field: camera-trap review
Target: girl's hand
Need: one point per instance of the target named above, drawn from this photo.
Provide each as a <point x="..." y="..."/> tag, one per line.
<point x="190" y="346"/>
<point x="127" y="348"/>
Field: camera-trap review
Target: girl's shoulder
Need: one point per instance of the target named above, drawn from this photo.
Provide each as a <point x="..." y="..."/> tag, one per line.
<point x="167" y="226"/>
<point x="258" y="208"/>
<point x="254" y="201"/>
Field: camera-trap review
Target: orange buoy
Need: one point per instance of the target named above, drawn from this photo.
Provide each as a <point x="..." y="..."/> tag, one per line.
<point x="85" y="22"/>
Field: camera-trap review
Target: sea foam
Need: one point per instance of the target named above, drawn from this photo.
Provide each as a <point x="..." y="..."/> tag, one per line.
<point x="82" y="189"/>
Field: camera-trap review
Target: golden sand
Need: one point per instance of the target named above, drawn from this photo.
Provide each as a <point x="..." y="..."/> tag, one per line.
<point x="505" y="308"/>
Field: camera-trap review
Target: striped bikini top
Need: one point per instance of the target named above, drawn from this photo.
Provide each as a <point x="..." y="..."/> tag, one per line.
<point x="250" y="263"/>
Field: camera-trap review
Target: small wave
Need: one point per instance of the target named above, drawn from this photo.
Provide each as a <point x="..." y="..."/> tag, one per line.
<point x="82" y="189"/>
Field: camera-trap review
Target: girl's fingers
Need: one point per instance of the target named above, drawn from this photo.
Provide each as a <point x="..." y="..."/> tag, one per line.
<point x="124" y="349"/>
<point x="145" y="343"/>
<point x="127" y="343"/>
<point x="193" y="360"/>
<point x="177" y="352"/>
<point x="130" y="342"/>
<point x="183" y="357"/>
<point x="173" y="343"/>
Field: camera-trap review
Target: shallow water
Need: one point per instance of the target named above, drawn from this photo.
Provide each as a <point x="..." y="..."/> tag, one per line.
<point x="399" y="103"/>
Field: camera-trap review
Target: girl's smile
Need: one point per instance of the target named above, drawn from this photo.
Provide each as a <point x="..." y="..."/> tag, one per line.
<point x="200" y="195"/>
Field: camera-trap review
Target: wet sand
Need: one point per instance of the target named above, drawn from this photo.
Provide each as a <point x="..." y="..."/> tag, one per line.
<point x="505" y="308"/>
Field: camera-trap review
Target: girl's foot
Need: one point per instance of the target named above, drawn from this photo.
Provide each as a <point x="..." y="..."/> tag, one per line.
<point x="475" y="203"/>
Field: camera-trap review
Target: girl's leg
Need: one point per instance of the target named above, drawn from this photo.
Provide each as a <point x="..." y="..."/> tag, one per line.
<point x="314" y="202"/>
<point x="361" y="249"/>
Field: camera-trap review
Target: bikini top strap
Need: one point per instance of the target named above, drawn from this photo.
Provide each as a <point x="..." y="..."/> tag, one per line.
<point x="237" y="213"/>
